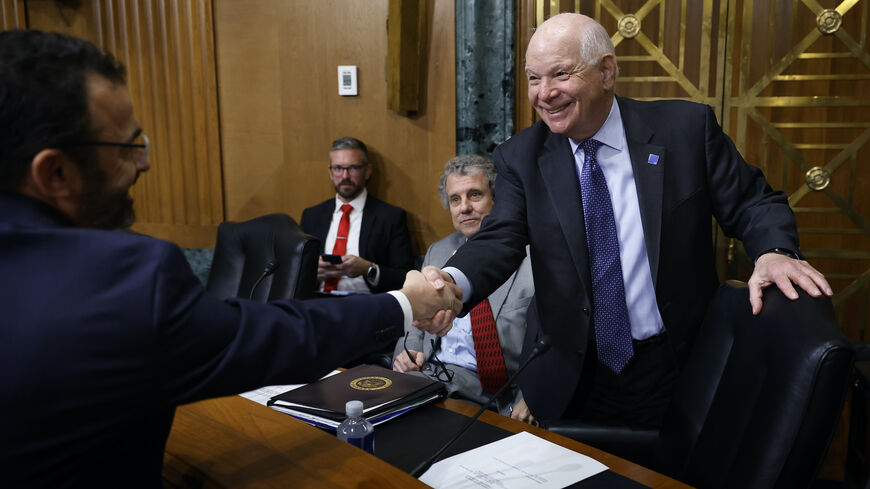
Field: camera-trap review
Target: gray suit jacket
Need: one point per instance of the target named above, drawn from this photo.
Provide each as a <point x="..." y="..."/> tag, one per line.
<point x="509" y="303"/>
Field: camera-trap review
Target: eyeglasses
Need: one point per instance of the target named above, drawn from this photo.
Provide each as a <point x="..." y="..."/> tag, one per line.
<point x="433" y="366"/>
<point x="139" y="147"/>
<point x="354" y="170"/>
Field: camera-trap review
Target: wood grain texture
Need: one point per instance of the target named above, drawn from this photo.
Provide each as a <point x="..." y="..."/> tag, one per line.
<point x="280" y="108"/>
<point x="168" y="47"/>
<point x="405" y="27"/>
<point x="12" y="15"/>
<point x="232" y="442"/>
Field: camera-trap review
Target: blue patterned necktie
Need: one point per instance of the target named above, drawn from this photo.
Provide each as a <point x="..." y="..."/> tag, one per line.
<point x="609" y="312"/>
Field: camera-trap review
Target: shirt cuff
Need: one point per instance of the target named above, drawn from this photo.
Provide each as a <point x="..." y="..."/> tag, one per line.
<point x="406" y="308"/>
<point x="462" y="281"/>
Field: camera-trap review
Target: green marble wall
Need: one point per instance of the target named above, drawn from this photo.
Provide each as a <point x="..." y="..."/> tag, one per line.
<point x="485" y="63"/>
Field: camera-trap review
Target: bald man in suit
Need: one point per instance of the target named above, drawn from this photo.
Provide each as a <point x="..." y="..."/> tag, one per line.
<point x="615" y="196"/>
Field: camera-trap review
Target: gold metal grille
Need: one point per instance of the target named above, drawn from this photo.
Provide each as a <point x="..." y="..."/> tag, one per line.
<point x="790" y="82"/>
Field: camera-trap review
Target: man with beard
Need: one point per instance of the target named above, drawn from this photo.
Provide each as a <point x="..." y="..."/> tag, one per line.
<point x="103" y="332"/>
<point x="354" y="225"/>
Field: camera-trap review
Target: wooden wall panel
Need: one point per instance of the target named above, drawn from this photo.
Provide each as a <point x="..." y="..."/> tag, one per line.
<point x="12" y="15"/>
<point x="280" y="107"/>
<point x="168" y="47"/>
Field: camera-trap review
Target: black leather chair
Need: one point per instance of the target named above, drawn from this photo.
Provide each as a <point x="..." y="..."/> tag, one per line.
<point x="243" y="250"/>
<point x="757" y="402"/>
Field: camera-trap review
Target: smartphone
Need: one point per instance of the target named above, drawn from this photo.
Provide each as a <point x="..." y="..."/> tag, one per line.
<point x="334" y="259"/>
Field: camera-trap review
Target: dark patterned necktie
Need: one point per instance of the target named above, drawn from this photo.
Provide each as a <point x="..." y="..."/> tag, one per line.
<point x="490" y="360"/>
<point x="609" y="312"/>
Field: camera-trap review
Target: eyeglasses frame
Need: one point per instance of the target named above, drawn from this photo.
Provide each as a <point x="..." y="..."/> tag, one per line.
<point x="139" y="161"/>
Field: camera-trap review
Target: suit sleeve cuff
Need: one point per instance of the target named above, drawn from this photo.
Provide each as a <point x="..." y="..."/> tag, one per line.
<point x="462" y="281"/>
<point x="784" y="251"/>
<point x="406" y="308"/>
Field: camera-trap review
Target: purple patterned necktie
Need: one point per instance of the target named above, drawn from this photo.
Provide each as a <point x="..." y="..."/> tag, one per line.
<point x="609" y="312"/>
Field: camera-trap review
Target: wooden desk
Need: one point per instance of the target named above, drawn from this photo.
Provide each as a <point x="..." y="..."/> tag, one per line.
<point x="232" y="442"/>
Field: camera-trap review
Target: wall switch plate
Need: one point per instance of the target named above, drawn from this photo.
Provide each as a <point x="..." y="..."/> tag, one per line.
<point x="347" y="82"/>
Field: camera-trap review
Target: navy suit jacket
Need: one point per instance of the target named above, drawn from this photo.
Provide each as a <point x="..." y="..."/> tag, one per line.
<point x="699" y="174"/>
<point x="104" y="333"/>
<point x="384" y="238"/>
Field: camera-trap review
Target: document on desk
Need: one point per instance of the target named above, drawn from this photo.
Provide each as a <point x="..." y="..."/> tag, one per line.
<point x="263" y="394"/>
<point x="519" y="461"/>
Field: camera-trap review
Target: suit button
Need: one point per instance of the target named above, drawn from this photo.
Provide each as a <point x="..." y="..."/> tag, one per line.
<point x="586" y="311"/>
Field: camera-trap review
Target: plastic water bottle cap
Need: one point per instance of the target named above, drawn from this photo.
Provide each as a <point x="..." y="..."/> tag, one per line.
<point x="353" y="409"/>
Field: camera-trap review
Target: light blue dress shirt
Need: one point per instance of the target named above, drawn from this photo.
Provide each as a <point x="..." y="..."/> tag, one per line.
<point x="457" y="346"/>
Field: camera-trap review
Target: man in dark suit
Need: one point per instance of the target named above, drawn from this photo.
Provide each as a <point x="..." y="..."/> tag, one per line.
<point x="104" y="332"/>
<point x="374" y="242"/>
<point x="615" y="198"/>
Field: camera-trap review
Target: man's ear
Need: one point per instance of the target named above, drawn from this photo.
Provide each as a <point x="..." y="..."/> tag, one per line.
<point x="52" y="176"/>
<point x="608" y="71"/>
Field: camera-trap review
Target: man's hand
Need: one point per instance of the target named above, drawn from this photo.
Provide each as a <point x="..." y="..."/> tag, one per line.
<point x="350" y="266"/>
<point x="354" y="266"/>
<point x="437" y="277"/>
<point x="403" y="363"/>
<point x="428" y="302"/>
<point x="773" y="268"/>
<point x="442" y="320"/>
<point x="326" y="270"/>
<point x="521" y="412"/>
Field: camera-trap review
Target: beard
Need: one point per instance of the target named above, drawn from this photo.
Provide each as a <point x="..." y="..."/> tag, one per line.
<point x="348" y="193"/>
<point x="104" y="208"/>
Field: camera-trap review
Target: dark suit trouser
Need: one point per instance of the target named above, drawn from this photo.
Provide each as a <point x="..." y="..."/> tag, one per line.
<point x="639" y="395"/>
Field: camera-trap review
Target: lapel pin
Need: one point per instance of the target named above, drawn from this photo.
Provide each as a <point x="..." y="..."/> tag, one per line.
<point x="653" y="159"/>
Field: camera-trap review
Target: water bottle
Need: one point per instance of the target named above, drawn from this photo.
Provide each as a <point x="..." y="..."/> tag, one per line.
<point x="355" y="429"/>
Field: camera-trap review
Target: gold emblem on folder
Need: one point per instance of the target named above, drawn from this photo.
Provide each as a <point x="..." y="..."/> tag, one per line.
<point x="371" y="383"/>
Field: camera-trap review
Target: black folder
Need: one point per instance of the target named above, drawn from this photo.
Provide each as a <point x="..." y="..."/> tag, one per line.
<point x="383" y="392"/>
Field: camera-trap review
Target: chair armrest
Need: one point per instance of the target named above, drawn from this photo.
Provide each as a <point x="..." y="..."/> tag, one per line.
<point x="630" y="442"/>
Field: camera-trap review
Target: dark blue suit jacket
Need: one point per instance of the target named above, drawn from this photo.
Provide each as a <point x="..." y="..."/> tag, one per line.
<point x="384" y="238"/>
<point x="699" y="174"/>
<point x="104" y="333"/>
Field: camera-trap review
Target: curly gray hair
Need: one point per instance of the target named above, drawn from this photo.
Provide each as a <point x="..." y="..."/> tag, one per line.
<point x="466" y="165"/>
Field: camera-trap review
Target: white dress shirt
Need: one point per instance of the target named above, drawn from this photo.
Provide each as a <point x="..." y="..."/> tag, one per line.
<point x="615" y="161"/>
<point x="348" y="284"/>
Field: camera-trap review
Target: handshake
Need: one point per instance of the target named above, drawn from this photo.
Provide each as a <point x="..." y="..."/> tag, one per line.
<point x="435" y="299"/>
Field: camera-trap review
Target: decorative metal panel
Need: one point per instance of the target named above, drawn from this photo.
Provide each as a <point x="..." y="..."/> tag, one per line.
<point x="789" y="79"/>
<point x="797" y="79"/>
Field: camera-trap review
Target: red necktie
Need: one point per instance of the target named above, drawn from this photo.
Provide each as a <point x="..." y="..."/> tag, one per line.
<point x="340" y="247"/>
<point x="490" y="359"/>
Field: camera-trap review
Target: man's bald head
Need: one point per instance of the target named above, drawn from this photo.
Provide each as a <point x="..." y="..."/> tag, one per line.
<point x="571" y="70"/>
<point x="576" y="32"/>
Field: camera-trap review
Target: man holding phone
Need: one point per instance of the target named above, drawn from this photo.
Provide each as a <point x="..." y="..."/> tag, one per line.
<point x="366" y="243"/>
